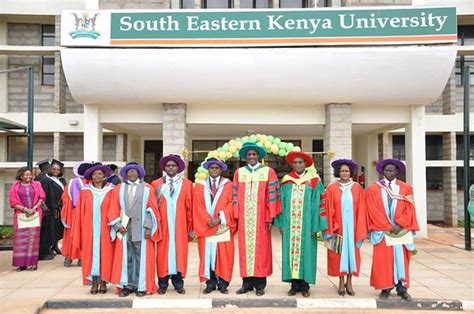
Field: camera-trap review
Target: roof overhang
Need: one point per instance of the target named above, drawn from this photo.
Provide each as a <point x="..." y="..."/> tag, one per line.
<point x="387" y="75"/>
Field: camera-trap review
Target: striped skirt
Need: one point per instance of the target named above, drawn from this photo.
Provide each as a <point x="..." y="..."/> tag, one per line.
<point x="26" y="247"/>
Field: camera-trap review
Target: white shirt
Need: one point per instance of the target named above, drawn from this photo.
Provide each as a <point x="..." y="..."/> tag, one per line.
<point x="133" y="186"/>
<point x="253" y="167"/>
<point x="301" y="175"/>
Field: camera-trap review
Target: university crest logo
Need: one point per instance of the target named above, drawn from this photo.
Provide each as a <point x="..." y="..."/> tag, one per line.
<point x="85" y="26"/>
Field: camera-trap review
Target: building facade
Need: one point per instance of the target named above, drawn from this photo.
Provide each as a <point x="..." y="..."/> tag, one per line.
<point x="118" y="104"/>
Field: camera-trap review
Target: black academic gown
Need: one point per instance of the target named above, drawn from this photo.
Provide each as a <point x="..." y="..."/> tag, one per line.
<point x="53" y="228"/>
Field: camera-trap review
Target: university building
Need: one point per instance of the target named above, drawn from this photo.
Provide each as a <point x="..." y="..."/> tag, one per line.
<point x="371" y="79"/>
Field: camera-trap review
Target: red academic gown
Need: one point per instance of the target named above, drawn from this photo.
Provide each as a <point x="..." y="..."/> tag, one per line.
<point x="225" y="250"/>
<point x="68" y="215"/>
<point x="405" y="215"/>
<point x="83" y="234"/>
<point x="183" y="227"/>
<point x="114" y="213"/>
<point x="334" y="218"/>
<point x="268" y="206"/>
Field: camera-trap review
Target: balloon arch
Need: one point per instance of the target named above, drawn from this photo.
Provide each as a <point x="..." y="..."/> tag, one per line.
<point x="271" y="144"/>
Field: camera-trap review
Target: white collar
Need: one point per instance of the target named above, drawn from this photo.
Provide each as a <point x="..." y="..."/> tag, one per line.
<point x="175" y="179"/>
<point x="218" y="179"/>
<point x="137" y="182"/>
<point x="253" y="167"/>
<point x="301" y="175"/>
<point x="387" y="182"/>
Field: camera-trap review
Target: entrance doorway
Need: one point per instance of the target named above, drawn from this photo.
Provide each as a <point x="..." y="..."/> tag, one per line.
<point x="153" y="153"/>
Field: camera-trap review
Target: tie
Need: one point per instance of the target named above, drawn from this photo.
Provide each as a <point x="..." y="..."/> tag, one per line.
<point x="214" y="188"/>
<point x="171" y="188"/>
<point x="390" y="200"/>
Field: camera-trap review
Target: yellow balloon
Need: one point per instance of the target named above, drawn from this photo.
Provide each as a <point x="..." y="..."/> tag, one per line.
<point x="263" y="138"/>
<point x="267" y="144"/>
<point x="259" y="137"/>
<point x="202" y="176"/>
<point x="239" y="145"/>
<point x="232" y="142"/>
<point x="222" y="155"/>
<point x="275" y="149"/>
<point x="213" y="153"/>
<point x="228" y="155"/>
<point x="296" y="149"/>
<point x="232" y="149"/>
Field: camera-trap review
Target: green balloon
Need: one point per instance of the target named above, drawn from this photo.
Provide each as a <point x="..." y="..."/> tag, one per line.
<point x="268" y="149"/>
<point x="201" y="169"/>
<point x="270" y="138"/>
<point x="245" y="139"/>
<point x="290" y="146"/>
<point x="282" y="146"/>
<point x="276" y="141"/>
<point x="225" y="147"/>
<point x="252" y="138"/>
<point x="282" y="153"/>
<point x="236" y="154"/>
<point x="260" y="144"/>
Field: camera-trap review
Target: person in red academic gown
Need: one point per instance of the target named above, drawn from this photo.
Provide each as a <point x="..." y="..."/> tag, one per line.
<point x="174" y="194"/>
<point x="70" y="199"/>
<point x="133" y="269"/>
<point x="213" y="212"/>
<point x="256" y="193"/>
<point x="390" y="208"/>
<point x="91" y="234"/>
<point x="347" y="218"/>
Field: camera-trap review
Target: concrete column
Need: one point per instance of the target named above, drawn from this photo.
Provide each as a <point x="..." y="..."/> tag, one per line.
<point x="337" y="135"/>
<point x="2" y="198"/>
<point x="121" y="147"/>
<point x="449" y="153"/>
<point x="59" y="78"/>
<point x="236" y="4"/>
<point x="3" y="65"/>
<point x="59" y="146"/>
<point x="276" y="4"/>
<point x="385" y="147"/>
<point x="449" y="181"/>
<point x="175" y="129"/>
<point x="416" y="163"/>
<point x="92" y="133"/>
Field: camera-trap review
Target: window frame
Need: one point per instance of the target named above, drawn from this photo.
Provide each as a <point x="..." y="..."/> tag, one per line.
<point x="44" y="35"/>
<point x="230" y="4"/>
<point x="304" y="5"/>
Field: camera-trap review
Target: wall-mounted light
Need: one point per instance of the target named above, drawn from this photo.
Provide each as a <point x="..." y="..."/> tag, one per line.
<point x="73" y="122"/>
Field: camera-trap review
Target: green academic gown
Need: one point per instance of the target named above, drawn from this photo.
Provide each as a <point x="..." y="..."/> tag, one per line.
<point x="303" y="215"/>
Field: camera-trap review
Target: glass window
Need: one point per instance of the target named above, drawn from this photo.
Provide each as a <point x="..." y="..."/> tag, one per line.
<point x="47" y="64"/>
<point x="434" y="147"/>
<point x="17" y="148"/>
<point x="434" y="178"/>
<point x="293" y="4"/>
<point x="460" y="147"/>
<point x="398" y="146"/>
<point x="187" y="4"/>
<point x="465" y="38"/>
<point x="255" y="4"/>
<point x="47" y="71"/>
<point x="153" y="151"/>
<point x="217" y="4"/>
<point x="318" y="146"/>
<point x="324" y="3"/>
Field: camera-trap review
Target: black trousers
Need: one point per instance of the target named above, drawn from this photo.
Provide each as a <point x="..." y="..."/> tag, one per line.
<point x="176" y="280"/>
<point x="46" y="236"/>
<point x="399" y="287"/>
<point x="258" y="283"/>
<point x="216" y="281"/>
<point x="299" y="285"/>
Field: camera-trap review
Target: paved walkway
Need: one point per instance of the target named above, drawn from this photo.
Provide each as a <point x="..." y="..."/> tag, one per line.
<point x="439" y="272"/>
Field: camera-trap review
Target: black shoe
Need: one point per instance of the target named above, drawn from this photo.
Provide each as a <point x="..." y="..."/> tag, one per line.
<point x="46" y="258"/>
<point x="140" y="293"/>
<point x="208" y="289"/>
<point x="384" y="294"/>
<point x="162" y="291"/>
<point x="125" y="292"/>
<point x="260" y="292"/>
<point x="22" y="268"/>
<point x="305" y="293"/>
<point x="243" y="290"/>
<point x="291" y="292"/>
<point x="67" y="262"/>
<point x="181" y="290"/>
<point x="405" y="296"/>
<point x="79" y="263"/>
<point x="56" y="250"/>
<point x="224" y="290"/>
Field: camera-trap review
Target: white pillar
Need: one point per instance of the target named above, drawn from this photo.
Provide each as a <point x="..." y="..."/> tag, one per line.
<point x="416" y="163"/>
<point x="3" y="65"/>
<point x="92" y="133"/>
